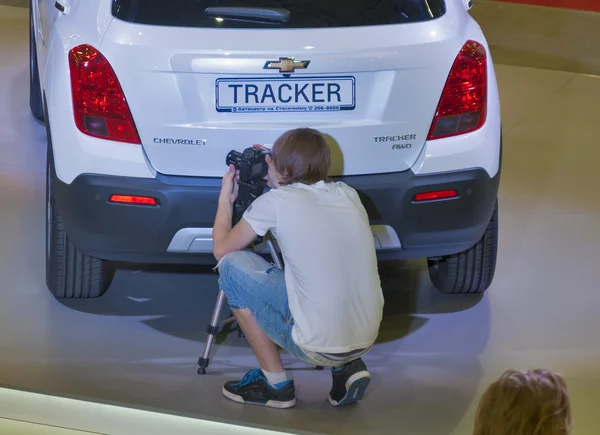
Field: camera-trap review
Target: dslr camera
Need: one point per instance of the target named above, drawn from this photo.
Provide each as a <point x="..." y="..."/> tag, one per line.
<point x="253" y="168"/>
<point x="251" y="163"/>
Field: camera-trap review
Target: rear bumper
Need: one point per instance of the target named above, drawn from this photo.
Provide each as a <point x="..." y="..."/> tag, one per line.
<point x="434" y="228"/>
<point x="187" y="207"/>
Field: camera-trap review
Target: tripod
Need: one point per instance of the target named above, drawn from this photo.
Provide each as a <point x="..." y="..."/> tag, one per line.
<point x="214" y="326"/>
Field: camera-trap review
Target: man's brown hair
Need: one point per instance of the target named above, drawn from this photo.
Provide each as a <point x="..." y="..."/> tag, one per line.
<point x="302" y="156"/>
<point x="533" y="402"/>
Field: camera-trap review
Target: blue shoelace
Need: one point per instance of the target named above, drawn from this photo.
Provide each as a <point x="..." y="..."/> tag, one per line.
<point x="252" y="376"/>
<point x="256" y="375"/>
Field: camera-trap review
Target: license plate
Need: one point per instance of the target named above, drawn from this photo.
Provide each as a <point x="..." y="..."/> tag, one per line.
<point x="273" y="94"/>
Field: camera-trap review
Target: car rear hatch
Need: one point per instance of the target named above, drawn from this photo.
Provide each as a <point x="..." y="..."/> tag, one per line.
<point x="200" y="81"/>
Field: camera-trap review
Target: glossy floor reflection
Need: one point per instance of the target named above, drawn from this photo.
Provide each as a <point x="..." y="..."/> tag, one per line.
<point x="138" y="345"/>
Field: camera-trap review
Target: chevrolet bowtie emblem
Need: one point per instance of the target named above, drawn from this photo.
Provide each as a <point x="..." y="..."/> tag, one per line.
<point x="287" y="64"/>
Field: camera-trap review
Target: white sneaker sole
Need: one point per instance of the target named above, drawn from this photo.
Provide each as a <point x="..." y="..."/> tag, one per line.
<point x="356" y="386"/>
<point x="271" y="403"/>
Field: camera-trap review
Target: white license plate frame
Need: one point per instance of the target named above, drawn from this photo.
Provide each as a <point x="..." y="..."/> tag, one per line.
<point x="331" y="88"/>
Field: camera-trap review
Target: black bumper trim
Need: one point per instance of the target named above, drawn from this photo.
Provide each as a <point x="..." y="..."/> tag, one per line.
<point x="432" y="228"/>
<point x="142" y="234"/>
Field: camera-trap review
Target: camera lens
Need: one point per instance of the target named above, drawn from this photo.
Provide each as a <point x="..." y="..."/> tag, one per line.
<point x="233" y="158"/>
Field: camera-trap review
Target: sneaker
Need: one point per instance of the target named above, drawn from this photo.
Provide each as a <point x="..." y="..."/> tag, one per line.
<point x="254" y="389"/>
<point x="349" y="383"/>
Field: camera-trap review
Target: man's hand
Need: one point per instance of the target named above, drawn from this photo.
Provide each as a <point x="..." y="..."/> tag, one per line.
<point x="229" y="187"/>
<point x="272" y="176"/>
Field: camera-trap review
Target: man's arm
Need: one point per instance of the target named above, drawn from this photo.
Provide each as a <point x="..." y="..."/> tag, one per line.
<point x="226" y="239"/>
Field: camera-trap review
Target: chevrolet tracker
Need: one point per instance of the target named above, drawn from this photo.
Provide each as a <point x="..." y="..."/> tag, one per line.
<point x="142" y="101"/>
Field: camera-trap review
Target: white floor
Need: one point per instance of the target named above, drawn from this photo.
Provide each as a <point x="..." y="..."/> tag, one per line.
<point x="138" y="345"/>
<point x="37" y="414"/>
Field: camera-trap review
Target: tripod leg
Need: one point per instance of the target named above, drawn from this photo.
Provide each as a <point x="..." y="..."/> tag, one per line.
<point x="212" y="331"/>
<point x="274" y="254"/>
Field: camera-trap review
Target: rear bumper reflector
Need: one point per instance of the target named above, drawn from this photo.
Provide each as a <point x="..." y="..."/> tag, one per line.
<point x="132" y="199"/>
<point x="432" y="196"/>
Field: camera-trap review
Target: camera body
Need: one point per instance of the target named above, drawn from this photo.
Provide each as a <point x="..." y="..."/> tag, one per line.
<point x="251" y="163"/>
<point x="253" y="168"/>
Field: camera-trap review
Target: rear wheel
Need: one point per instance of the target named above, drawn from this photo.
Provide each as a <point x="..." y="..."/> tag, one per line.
<point x="35" y="92"/>
<point x="470" y="271"/>
<point x="69" y="272"/>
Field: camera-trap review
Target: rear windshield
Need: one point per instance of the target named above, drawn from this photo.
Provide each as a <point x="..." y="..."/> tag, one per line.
<point x="276" y="14"/>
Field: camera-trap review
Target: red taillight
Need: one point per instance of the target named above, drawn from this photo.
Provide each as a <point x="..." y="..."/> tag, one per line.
<point x="132" y="199"/>
<point x="439" y="194"/>
<point x="462" y="107"/>
<point x="99" y="104"/>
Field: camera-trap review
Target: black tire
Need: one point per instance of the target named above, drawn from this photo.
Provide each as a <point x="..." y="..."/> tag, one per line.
<point x="471" y="271"/>
<point x="35" y="92"/>
<point x="69" y="272"/>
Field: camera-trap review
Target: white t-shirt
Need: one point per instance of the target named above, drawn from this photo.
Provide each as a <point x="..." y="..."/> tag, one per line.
<point x="333" y="285"/>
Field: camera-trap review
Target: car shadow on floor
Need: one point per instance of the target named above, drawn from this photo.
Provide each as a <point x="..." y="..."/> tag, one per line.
<point x="426" y="362"/>
<point x="179" y="300"/>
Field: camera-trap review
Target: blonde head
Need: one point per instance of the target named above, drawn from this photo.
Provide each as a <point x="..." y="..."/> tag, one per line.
<point x="533" y="402"/>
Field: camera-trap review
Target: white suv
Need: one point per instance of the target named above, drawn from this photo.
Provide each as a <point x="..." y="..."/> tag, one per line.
<point x="144" y="99"/>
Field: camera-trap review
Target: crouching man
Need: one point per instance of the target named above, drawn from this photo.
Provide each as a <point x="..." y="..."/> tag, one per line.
<point x="326" y="306"/>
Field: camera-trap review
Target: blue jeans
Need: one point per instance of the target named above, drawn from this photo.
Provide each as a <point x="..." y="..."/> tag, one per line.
<point x="249" y="281"/>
